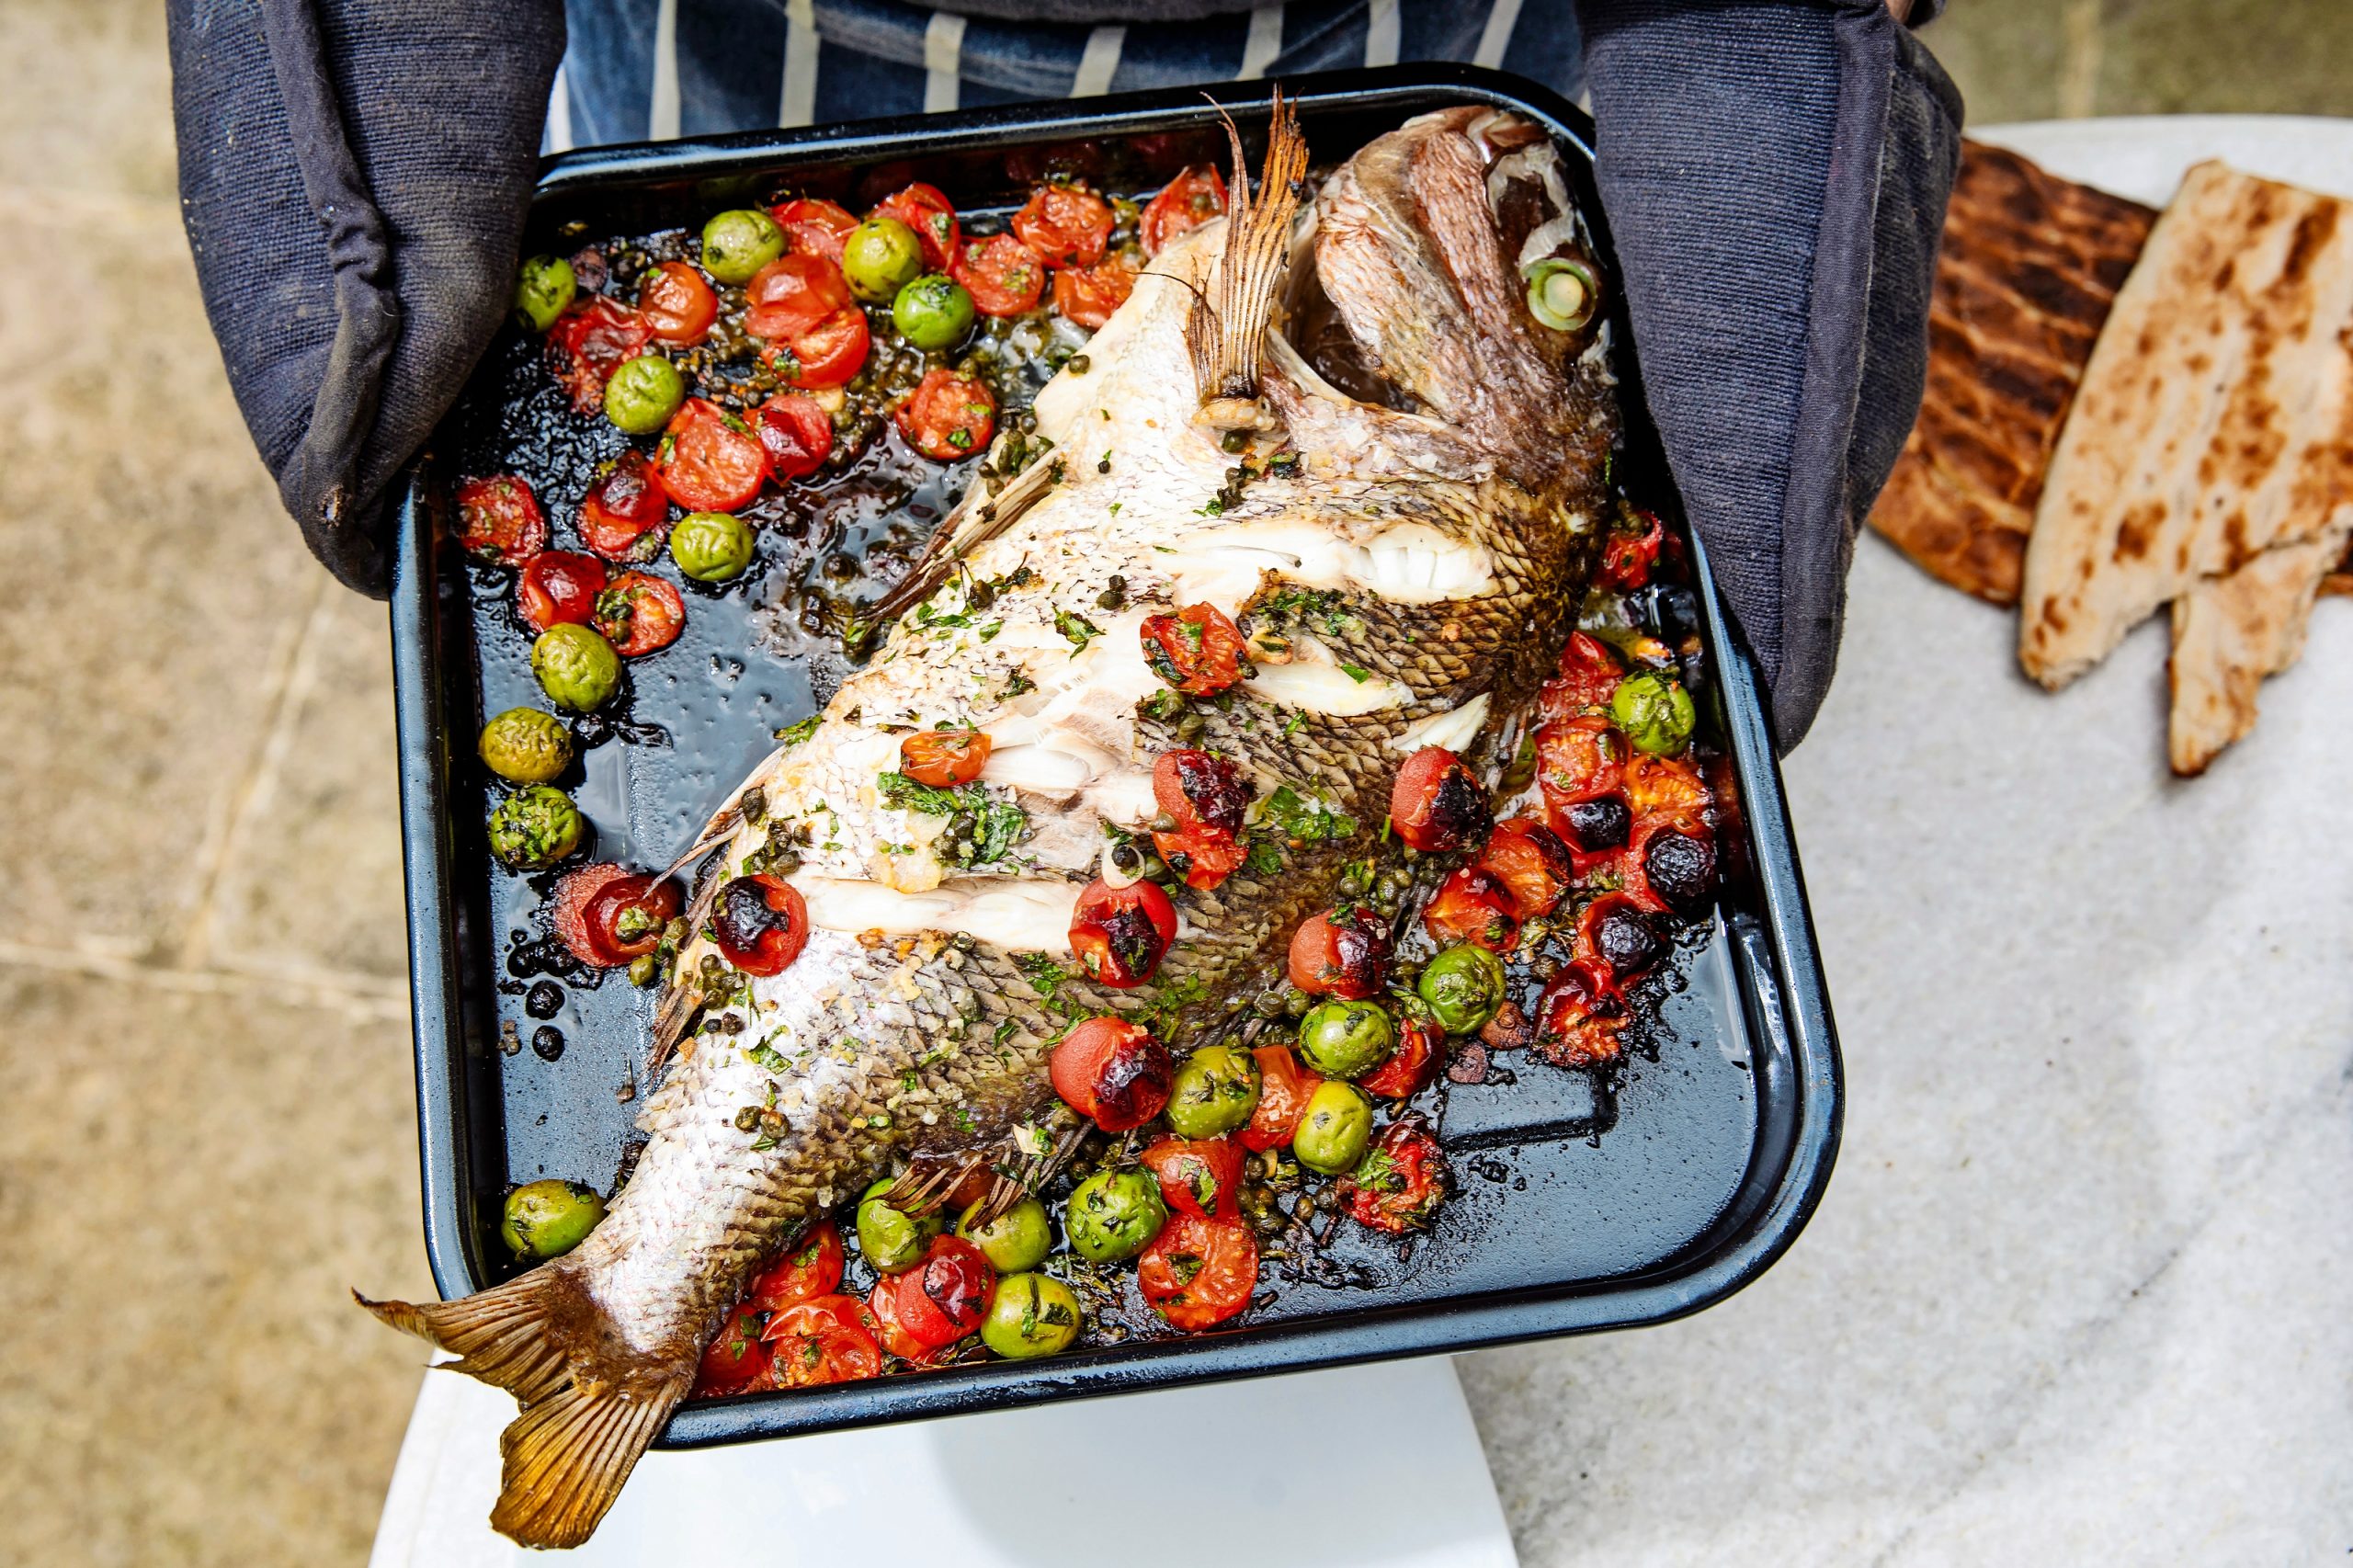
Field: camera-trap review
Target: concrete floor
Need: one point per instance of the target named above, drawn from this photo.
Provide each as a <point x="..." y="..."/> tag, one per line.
<point x="202" y="1019"/>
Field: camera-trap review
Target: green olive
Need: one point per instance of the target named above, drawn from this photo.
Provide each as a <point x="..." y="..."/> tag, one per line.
<point x="1335" y="1129"/>
<point x="1113" y="1215"/>
<point x="892" y="1240"/>
<point x="1561" y="293"/>
<point x="880" y="257"/>
<point x="576" y="667"/>
<point x="1215" y="1090"/>
<point x="548" y="1219"/>
<point x="542" y="288"/>
<point x="1654" y="712"/>
<point x="740" y="242"/>
<point x="1464" y="986"/>
<point x="1018" y="1239"/>
<point x="1347" y="1039"/>
<point x="535" y="828"/>
<point x="644" y="394"/>
<point x="1033" y="1316"/>
<point x="711" y="547"/>
<point x="933" y="312"/>
<point x="524" y="745"/>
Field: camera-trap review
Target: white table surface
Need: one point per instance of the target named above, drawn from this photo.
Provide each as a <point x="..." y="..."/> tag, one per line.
<point x="2081" y="1290"/>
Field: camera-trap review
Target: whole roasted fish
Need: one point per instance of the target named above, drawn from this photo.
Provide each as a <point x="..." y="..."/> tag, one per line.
<point x="1342" y="427"/>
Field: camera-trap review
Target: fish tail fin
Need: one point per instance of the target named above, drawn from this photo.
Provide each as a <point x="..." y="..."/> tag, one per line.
<point x="565" y="1457"/>
<point x="1226" y="338"/>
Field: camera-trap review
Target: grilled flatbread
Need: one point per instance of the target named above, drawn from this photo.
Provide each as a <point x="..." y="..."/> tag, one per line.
<point x="2028" y="267"/>
<point x="2231" y="631"/>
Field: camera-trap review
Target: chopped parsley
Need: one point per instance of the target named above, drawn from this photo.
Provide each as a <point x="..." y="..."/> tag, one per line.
<point x="767" y="1058"/>
<point x="794" y="734"/>
<point x="983" y="828"/>
<point x="1356" y="673"/>
<point x="1304" y="820"/>
<point x="1077" y="629"/>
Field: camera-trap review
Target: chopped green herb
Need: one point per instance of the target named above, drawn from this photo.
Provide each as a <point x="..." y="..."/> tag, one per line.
<point x="1356" y="673"/>
<point x="1077" y="629"/>
<point x="794" y="734"/>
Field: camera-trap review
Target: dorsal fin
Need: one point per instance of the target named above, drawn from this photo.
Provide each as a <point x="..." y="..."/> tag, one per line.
<point x="1227" y="329"/>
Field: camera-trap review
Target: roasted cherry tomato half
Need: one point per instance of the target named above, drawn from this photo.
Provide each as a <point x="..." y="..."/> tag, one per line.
<point x="1616" y="940"/>
<point x="947" y="417"/>
<point x="1343" y="954"/>
<point x="1111" y="1071"/>
<point x="810" y="1267"/>
<point x="1631" y="553"/>
<point x="1197" y="650"/>
<point x="1121" y="934"/>
<point x="792" y="294"/>
<point x="1284" y="1088"/>
<point x="587" y="345"/>
<point x="1593" y="828"/>
<point x="926" y="209"/>
<point x="735" y="1360"/>
<point x="1067" y="224"/>
<point x="1531" y="863"/>
<point x="677" y="303"/>
<point x="827" y="355"/>
<point x="944" y="758"/>
<point x="814" y="227"/>
<point x="1577" y="1021"/>
<point x="623" y="512"/>
<point x="761" y="924"/>
<point x="558" y="586"/>
<point x="710" y="460"/>
<point x="1205" y="795"/>
<point x="607" y="915"/>
<point x="1580" y="761"/>
<point x="499" y="520"/>
<point x="1655" y="784"/>
<point x="822" y="1340"/>
<point x="797" y="435"/>
<point x="945" y="1297"/>
<point x="1198" y="1272"/>
<point x="1004" y="276"/>
<point x="1198" y="1175"/>
<point x="1092" y="295"/>
<point x="1189" y="200"/>
<point x="884" y="1321"/>
<point x="1409" y="1072"/>
<point x="1670" y="863"/>
<point x="1401" y="1181"/>
<point x="1438" y="803"/>
<point x="1472" y="906"/>
<point x="640" y="613"/>
<point x="1589" y="676"/>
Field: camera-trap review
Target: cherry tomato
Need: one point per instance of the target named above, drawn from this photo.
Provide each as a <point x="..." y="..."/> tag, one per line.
<point x="890" y="1333"/>
<point x="1472" y="906"/>
<point x="1438" y="803"/>
<point x="945" y="1297"/>
<point x="1628" y="557"/>
<point x="621" y="516"/>
<point x="677" y="303"/>
<point x="1206" y="796"/>
<point x="1576" y="1025"/>
<point x="585" y="346"/>
<point x="1067" y="224"/>
<point x="1197" y="650"/>
<point x="1200" y="1272"/>
<point x="947" y="417"/>
<point x="1198" y="1175"/>
<point x="1091" y="295"/>
<point x="944" y="758"/>
<point x="1409" y="1072"/>
<point x="499" y="521"/>
<point x="1343" y="954"/>
<point x="1004" y="276"/>
<point x="823" y="1340"/>
<point x="828" y="354"/>
<point x="1616" y="941"/>
<point x="736" y="1359"/>
<point x="640" y="613"/>
<point x="1579" y="760"/>
<point x="1531" y="863"/>
<point x="1113" y="1071"/>
<point x="926" y="210"/>
<point x="1401" y="1182"/>
<point x="1121" y="933"/>
<point x="1663" y="784"/>
<point x="1186" y="202"/>
<point x="1284" y="1089"/>
<point x="792" y="294"/>
<point x="592" y="904"/>
<point x="558" y="587"/>
<point x="796" y="432"/>
<point x="811" y="1267"/>
<point x="813" y="226"/>
<point x="1589" y="674"/>
<point x="710" y="460"/>
<point x="761" y="924"/>
<point x="1669" y="863"/>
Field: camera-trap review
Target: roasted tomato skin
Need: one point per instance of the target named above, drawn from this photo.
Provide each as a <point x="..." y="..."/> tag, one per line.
<point x="1284" y="1088"/>
<point x="1437" y="803"/>
<point x="1186" y="202"/>
<point x="1588" y="674"/>
<point x="640" y="613"/>
<point x="810" y="1267"/>
<point x="796" y="434"/>
<point x="813" y="226"/>
<point x="1577" y="1021"/>
<point x="792" y="294"/>
<point x="499" y="520"/>
<point x="710" y="461"/>
<point x="1200" y="1272"/>
<point x="1670" y="863"/>
<point x="1205" y="795"/>
<point x="1067" y="224"/>
<point x="558" y="586"/>
<point x="1343" y="953"/>
<point x="1628" y="558"/>
<point x="588" y="906"/>
<point x="890" y="1331"/>
<point x="827" y="355"/>
<point x="677" y="303"/>
<point x="1531" y="863"/>
<point x="947" y="417"/>
<point x="736" y="1359"/>
<point x="1092" y="295"/>
<point x="1472" y="906"/>
<point x="1121" y="934"/>
<point x="945" y="1297"/>
<point x="1004" y="277"/>
<point x="1198" y="1175"/>
<point x="944" y="758"/>
<point x="822" y="1340"/>
<point x="1409" y="1072"/>
<point x="1655" y="784"/>
<point x="1401" y="1181"/>
<point x="1616" y="940"/>
<point x="761" y="924"/>
<point x="589" y="342"/>
<point x="1199" y="650"/>
<point x="926" y="209"/>
<point x="621" y="516"/>
<point x="1111" y="1071"/>
<point x="1579" y="759"/>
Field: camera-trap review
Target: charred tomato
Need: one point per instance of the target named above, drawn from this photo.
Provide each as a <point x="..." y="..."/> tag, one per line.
<point x="1628" y="558"/>
<point x="1199" y="650"/>
<point x="1112" y="1072"/>
<point x="587" y="345"/>
<point x="1343" y="953"/>
<point x="945" y="1297"/>
<point x="1091" y="295"/>
<point x="558" y="587"/>
<point x="1437" y="803"/>
<point x="1531" y="863"/>
<point x="1472" y="906"/>
<point x="1204" y="796"/>
<point x="606" y="914"/>
<point x="1616" y="940"/>
<point x="1401" y="1181"/>
<point x="499" y="520"/>
<point x="760" y="923"/>
<point x="1576" y="1022"/>
<point x="624" y="509"/>
<point x="1588" y="674"/>
<point x="1670" y="863"/>
<point x="1409" y="1072"/>
<point x="1121" y="934"/>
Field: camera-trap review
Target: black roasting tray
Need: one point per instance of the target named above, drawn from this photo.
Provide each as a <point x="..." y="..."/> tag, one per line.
<point x="1581" y="1206"/>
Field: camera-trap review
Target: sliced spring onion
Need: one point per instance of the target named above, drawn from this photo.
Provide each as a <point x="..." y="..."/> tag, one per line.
<point x="1561" y="293"/>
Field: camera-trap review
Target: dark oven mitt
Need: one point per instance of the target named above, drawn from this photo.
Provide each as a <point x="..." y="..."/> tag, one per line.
<point x="353" y="175"/>
<point x="1775" y="174"/>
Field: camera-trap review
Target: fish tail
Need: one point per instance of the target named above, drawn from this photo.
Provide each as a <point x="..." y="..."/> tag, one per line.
<point x="564" y="1456"/>
<point x="1226" y="339"/>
